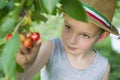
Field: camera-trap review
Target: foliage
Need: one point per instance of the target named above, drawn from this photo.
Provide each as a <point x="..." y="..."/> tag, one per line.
<point x="117" y="15"/>
<point x="69" y="9"/>
<point x="18" y="16"/>
<point x="8" y="59"/>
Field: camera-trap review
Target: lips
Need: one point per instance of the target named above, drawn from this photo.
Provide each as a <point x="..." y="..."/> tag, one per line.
<point x="71" y="48"/>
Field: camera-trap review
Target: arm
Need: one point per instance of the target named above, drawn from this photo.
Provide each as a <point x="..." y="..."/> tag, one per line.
<point x="41" y="60"/>
<point x="106" y="75"/>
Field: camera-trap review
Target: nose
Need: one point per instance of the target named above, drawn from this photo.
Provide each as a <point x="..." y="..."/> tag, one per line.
<point x="73" y="39"/>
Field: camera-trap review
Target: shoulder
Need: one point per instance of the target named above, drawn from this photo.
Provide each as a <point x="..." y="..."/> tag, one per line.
<point x="103" y="65"/>
<point x="51" y="42"/>
<point x="102" y="62"/>
<point x="48" y="46"/>
<point x="101" y="59"/>
<point x="107" y="72"/>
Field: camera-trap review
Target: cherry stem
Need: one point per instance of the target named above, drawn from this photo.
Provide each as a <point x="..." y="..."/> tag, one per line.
<point x="17" y="26"/>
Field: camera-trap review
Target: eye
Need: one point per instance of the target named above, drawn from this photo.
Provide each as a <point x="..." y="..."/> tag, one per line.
<point x="67" y="27"/>
<point x="85" y="36"/>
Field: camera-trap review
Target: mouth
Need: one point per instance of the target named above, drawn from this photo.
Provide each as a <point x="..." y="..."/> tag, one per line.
<point x="71" y="48"/>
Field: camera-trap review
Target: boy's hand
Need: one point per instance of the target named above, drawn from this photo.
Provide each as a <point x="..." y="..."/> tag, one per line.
<point x="25" y="57"/>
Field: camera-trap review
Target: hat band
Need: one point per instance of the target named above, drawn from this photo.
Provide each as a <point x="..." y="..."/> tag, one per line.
<point x="93" y="13"/>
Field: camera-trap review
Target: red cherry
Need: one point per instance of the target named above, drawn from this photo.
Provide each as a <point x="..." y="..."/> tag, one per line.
<point x="35" y="36"/>
<point x="28" y="42"/>
<point x="8" y="36"/>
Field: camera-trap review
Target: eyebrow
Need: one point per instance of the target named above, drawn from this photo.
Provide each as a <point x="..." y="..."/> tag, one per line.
<point x="65" y="21"/>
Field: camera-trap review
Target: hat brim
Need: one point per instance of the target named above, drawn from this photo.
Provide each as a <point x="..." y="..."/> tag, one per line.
<point x="113" y="30"/>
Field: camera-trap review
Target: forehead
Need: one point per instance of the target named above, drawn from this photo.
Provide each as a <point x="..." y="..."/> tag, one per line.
<point x="81" y="26"/>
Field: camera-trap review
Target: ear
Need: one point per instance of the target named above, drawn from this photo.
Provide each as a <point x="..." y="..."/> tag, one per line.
<point x="103" y="36"/>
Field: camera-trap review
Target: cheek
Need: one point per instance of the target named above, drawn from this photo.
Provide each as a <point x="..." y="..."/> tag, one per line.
<point x="85" y="45"/>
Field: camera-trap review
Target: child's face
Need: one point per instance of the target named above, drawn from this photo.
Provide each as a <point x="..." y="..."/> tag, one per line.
<point x="79" y="37"/>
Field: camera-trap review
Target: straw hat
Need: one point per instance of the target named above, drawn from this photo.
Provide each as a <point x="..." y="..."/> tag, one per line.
<point x="101" y="12"/>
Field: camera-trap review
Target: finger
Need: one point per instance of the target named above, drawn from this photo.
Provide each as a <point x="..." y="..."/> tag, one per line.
<point x="37" y="45"/>
<point x="24" y="50"/>
<point x="38" y="42"/>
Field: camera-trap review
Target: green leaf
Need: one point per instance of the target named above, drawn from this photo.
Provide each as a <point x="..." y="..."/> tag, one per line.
<point x="2" y="41"/>
<point x="50" y="5"/>
<point x="37" y="76"/>
<point x="1" y="73"/>
<point x="8" y="56"/>
<point x="36" y="15"/>
<point x="7" y="25"/>
<point x="3" y="3"/>
<point x="19" y="68"/>
<point x="74" y="9"/>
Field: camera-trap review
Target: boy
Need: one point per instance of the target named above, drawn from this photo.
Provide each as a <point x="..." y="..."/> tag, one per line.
<point x="72" y="56"/>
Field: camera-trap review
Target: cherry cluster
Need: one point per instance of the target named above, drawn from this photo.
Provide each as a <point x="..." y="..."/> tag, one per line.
<point x="26" y="39"/>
